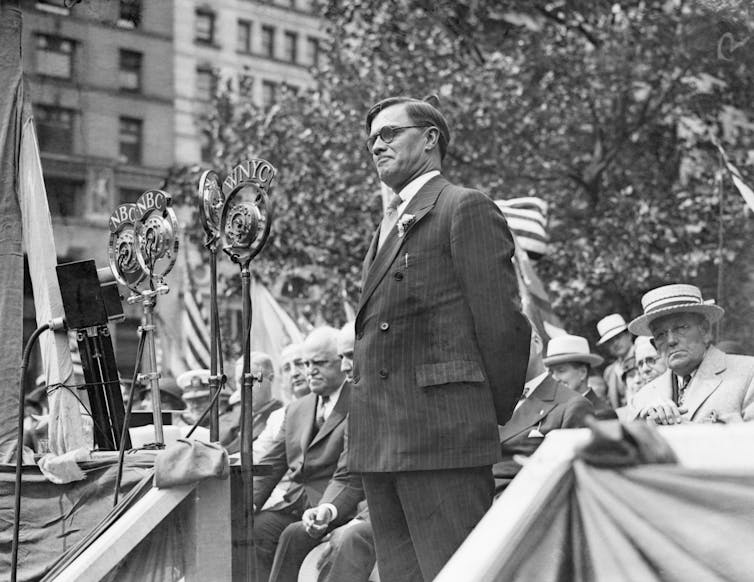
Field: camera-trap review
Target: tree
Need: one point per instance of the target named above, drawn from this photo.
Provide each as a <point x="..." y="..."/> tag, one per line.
<point x="606" y="110"/>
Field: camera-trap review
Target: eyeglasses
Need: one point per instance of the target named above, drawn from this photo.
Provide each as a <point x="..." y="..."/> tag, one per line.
<point x="388" y="133"/>
<point x="316" y="363"/>
<point x="648" y="361"/>
<point x="681" y="330"/>
<point x="288" y="366"/>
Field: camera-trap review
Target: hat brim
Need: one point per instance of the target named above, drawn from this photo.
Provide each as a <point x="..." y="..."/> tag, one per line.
<point x="612" y="334"/>
<point x="640" y="325"/>
<point x="590" y="359"/>
<point x="194" y="394"/>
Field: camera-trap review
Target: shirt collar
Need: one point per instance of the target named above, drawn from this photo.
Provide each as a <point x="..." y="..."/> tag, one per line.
<point x="532" y="384"/>
<point x="410" y="189"/>
<point x="333" y="398"/>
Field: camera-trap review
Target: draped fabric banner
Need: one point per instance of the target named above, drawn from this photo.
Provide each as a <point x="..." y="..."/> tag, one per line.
<point x="54" y="518"/>
<point x="651" y="523"/>
<point x="11" y="257"/>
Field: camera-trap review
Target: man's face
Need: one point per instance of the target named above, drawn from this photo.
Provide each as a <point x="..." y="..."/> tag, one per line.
<point x="404" y="158"/>
<point x="292" y="368"/>
<point x="571" y="376"/>
<point x="620" y="345"/>
<point x="262" y="391"/>
<point x="649" y="362"/>
<point x="345" y="353"/>
<point x="323" y="366"/>
<point x="682" y="338"/>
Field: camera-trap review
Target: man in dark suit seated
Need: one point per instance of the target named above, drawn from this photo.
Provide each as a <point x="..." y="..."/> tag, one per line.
<point x="544" y="406"/>
<point x="569" y="360"/>
<point x="308" y="446"/>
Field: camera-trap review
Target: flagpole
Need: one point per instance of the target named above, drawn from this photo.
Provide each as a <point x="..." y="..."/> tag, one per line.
<point x="720" y="183"/>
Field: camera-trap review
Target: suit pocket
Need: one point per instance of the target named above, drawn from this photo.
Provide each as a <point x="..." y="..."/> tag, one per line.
<point x="448" y="373"/>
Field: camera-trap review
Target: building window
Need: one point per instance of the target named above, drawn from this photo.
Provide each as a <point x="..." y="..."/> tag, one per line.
<point x="243" y="41"/>
<point x="126" y="195"/>
<point x="64" y="196"/>
<point x="129" y="14"/>
<point x="269" y="91"/>
<point x="245" y="84"/>
<point x="129" y="137"/>
<point x="312" y="51"/>
<point x="291" y="42"/>
<point x="54" y="129"/>
<point x="129" y="75"/>
<point x="204" y="27"/>
<point x="205" y="83"/>
<point x="268" y="41"/>
<point x="54" y="56"/>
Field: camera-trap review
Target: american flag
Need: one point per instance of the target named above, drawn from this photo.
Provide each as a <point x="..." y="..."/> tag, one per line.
<point x="195" y="326"/>
<point x="527" y="219"/>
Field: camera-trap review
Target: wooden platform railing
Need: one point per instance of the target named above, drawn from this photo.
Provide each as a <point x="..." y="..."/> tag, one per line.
<point x="516" y="520"/>
<point x="208" y="543"/>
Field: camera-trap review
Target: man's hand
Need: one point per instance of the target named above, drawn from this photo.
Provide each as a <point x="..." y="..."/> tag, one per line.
<point x="663" y="411"/>
<point x="316" y="520"/>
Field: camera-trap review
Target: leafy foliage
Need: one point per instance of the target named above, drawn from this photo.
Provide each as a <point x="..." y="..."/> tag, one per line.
<point x="607" y="110"/>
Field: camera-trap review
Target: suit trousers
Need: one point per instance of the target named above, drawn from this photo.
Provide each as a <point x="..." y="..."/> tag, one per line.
<point x="351" y="557"/>
<point x="420" y="518"/>
<point x="268" y="527"/>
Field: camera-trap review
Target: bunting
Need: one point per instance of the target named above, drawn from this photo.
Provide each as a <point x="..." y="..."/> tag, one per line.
<point x="195" y="326"/>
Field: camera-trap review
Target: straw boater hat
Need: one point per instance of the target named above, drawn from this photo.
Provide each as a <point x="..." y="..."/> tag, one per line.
<point x="194" y="383"/>
<point x="570" y="348"/>
<point x="673" y="299"/>
<point x="610" y="326"/>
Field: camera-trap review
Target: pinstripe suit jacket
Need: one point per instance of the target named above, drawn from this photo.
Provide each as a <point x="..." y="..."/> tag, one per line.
<point x="441" y="346"/>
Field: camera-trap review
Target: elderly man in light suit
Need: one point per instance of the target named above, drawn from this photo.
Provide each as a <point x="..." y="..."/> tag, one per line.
<point x="441" y="348"/>
<point x="702" y="383"/>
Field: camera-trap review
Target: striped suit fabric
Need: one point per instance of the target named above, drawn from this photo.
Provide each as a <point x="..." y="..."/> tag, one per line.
<point x="439" y="360"/>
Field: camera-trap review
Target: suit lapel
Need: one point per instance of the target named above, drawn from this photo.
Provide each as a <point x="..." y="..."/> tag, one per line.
<point x="305" y="419"/>
<point x="419" y="206"/>
<point x="706" y="380"/>
<point x="337" y="415"/>
<point x="532" y="410"/>
<point x="370" y="256"/>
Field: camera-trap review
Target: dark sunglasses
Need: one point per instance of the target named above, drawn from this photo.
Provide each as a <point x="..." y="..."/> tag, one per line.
<point x="388" y="133"/>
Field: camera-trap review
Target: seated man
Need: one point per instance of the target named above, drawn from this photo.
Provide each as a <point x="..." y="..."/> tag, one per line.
<point x="616" y="339"/>
<point x="569" y="361"/>
<point x="351" y="555"/>
<point x="702" y="384"/>
<point x="649" y="362"/>
<point x="544" y="406"/>
<point x="195" y="386"/>
<point x="308" y="446"/>
<point x="262" y="403"/>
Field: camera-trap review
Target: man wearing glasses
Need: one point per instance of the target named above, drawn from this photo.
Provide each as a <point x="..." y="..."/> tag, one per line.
<point x="702" y="383"/>
<point x="307" y="447"/>
<point x="441" y="348"/>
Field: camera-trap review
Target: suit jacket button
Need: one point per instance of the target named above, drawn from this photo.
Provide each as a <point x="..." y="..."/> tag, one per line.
<point x="398" y="276"/>
<point x="383" y="373"/>
<point x="384" y="326"/>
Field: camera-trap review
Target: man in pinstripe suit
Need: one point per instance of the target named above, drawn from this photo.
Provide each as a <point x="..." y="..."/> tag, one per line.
<point x="441" y="348"/>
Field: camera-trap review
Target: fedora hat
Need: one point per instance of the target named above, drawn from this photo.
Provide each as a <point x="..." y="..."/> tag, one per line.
<point x="188" y="381"/>
<point x="610" y="326"/>
<point x="570" y="348"/>
<point x="678" y="298"/>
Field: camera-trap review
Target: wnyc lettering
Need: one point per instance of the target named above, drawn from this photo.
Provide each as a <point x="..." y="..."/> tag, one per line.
<point x="258" y="172"/>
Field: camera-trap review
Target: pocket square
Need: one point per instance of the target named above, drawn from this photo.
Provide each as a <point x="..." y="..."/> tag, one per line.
<point x="534" y="433"/>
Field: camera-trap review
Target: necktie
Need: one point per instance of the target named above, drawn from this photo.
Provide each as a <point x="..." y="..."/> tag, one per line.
<point x="388" y="220"/>
<point x="683" y="383"/>
<point x="320" y="420"/>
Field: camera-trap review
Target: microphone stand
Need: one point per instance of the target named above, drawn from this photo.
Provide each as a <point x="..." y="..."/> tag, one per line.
<point x="148" y="299"/>
<point x="246" y="222"/>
